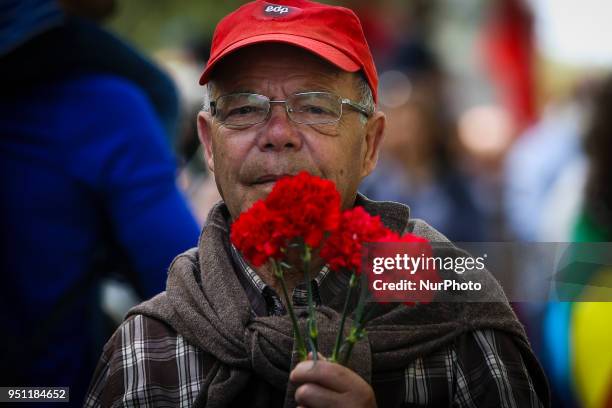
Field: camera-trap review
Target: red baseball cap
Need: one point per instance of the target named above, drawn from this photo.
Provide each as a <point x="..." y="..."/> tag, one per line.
<point x="333" y="33"/>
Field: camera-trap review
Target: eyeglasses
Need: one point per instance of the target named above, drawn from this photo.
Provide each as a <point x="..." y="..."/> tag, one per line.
<point x="241" y="110"/>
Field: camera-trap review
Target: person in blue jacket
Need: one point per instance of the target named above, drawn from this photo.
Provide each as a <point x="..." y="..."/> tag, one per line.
<point x="88" y="187"/>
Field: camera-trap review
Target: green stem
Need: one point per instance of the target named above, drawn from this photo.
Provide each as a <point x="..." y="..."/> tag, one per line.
<point x="301" y="347"/>
<point x="357" y="330"/>
<point x="352" y="284"/>
<point x="356" y="334"/>
<point x="312" y="322"/>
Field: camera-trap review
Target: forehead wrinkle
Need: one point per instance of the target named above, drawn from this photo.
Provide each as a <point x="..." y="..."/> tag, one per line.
<point x="337" y="82"/>
<point x="299" y="80"/>
<point x="259" y="69"/>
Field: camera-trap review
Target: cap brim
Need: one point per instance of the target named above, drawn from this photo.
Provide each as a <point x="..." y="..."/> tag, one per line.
<point x="323" y="50"/>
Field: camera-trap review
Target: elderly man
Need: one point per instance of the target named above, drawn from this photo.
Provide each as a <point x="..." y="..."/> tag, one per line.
<point x="293" y="88"/>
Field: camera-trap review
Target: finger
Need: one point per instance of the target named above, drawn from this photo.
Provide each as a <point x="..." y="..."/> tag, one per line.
<point x="329" y="375"/>
<point x="321" y="356"/>
<point x="314" y="396"/>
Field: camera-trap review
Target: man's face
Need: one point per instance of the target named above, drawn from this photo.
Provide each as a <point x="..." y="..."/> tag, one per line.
<point x="246" y="162"/>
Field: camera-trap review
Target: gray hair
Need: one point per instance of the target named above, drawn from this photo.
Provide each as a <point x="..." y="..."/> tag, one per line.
<point x="366" y="98"/>
<point x="208" y="96"/>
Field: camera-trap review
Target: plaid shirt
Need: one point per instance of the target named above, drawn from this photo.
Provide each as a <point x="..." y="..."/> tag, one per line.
<point x="147" y="364"/>
<point x="264" y="300"/>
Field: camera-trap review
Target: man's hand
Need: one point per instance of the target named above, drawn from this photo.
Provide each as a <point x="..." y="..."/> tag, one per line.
<point x="326" y="384"/>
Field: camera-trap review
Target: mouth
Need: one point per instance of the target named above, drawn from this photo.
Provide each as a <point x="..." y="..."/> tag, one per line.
<point x="268" y="179"/>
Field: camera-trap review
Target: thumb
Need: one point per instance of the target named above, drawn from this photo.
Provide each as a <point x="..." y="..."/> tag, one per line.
<point x="321" y="356"/>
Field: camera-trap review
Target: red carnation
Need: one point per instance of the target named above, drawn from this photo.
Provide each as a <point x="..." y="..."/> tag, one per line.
<point x="309" y="206"/>
<point x="408" y="237"/>
<point x="343" y="248"/>
<point x="258" y="234"/>
<point x="419" y="247"/>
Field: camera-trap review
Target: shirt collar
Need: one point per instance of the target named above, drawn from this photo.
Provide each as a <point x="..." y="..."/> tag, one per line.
<point x="265" y="301"/>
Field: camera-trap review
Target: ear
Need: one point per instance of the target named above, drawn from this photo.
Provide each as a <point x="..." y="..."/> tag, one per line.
<point x="205" y="136"/>
<point x="375" y="129"/>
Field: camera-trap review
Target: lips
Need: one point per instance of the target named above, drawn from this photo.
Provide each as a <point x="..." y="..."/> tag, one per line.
<point x="269" y="178"/>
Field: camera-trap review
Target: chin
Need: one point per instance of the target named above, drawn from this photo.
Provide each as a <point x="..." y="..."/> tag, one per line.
<point x="258" y="192"/>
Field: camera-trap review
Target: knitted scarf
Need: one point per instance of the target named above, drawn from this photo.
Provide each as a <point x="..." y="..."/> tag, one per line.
<point x="206" y="304"/>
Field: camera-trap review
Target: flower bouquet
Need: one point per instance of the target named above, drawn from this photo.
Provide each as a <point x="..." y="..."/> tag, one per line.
<point x="301" y="218"/>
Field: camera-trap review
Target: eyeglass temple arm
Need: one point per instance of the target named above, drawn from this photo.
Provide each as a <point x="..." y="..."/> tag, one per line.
<point x="357" y="107"/>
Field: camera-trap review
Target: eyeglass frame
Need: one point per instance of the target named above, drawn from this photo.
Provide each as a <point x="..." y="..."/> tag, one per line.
<point x="343" y="101"/>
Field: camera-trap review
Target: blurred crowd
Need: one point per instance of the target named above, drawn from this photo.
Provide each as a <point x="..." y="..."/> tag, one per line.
<point x="103" y="178"/>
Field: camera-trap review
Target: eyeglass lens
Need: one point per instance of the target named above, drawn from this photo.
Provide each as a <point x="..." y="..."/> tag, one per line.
<point x="307" y="108"/>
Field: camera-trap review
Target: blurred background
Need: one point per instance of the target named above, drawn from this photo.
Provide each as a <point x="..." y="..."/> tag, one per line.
<point x="499" y="129"/>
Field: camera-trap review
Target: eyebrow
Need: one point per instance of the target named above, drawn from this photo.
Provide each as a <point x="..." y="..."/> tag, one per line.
<point x="242" y="90"/>
<point x="302" y="89"/>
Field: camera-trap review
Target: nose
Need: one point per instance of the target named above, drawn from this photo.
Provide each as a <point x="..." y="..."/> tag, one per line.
<point x="279" y="132"/>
